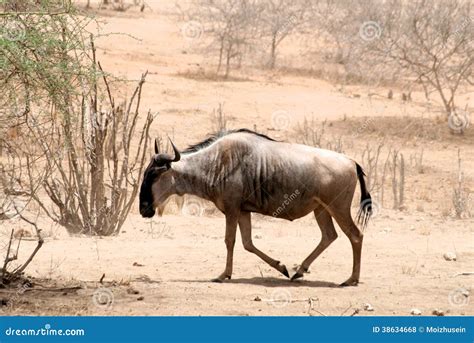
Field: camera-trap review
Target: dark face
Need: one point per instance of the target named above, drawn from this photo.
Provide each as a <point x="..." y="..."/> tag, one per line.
<point x="157" y="167"/>
<point x="157" y="181"/>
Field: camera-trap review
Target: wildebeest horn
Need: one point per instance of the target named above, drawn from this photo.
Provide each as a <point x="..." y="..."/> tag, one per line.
<point x="157" y="150"/>
<point x="177" y="155"/>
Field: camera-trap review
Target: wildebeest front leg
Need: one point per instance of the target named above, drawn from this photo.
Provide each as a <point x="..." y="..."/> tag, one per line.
<point x="230" y="231"/>
<point x="246" y="232"/>
<point x="328" y="235"/>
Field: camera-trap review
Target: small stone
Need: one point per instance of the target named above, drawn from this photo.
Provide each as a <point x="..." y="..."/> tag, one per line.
<point x="437" y="312"/>
<point x="136" y="264"/>
<point x="140" y="298"/>
<point x="415" y="312"/>
<point x="450" y="256"/>
<point x="257" y="298"/>
<point x="131" y="290"/>
<point x="368" y="307"/>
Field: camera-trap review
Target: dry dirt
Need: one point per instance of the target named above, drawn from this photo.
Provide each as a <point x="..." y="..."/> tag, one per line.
<point x="164" y="266"/>
<point x="403" y="268"/>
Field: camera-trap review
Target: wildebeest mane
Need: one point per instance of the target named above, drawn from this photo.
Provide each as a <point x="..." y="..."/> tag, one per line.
<point x="215" y="136"/>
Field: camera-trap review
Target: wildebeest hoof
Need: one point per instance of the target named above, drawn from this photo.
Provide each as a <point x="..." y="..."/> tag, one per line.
<point x="350" y="282"/>
<point x="282" y="269"/>
<point x="285" y="272"/>
<point x="297" y="276"/>
<point x="221" y="278"/>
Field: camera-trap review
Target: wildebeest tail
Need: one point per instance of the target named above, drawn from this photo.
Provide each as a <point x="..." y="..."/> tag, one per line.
<point x="365" y="210"/>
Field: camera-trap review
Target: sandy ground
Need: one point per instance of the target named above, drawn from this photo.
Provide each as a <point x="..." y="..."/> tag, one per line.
<point x="176" y="256"/>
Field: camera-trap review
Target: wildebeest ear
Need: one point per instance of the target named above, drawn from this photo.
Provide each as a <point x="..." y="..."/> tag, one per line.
<point x="157" y="151"/>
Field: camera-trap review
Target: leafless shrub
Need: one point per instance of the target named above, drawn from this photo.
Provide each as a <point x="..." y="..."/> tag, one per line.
<point x="76" y="162"/>
<point x="210" y="76"/>
<point x="398" y="179"/>
<point x="310" y="132"/>
<point x="461" y="194"/>
<point x="278" y="20"/>
<point x="335" y="144"/>
<point x="418" y="43"/>
<point x="416" y="161"/>
<point x="9" y="275"/>
<point x="432" y="42"/>
<point x="244" y="28"/>
<point x="121" y="5"/>
<point x="219" y="119"/>
<point x="371" y="160"/>
<point x="230" y="26"/>
<point x="385" y="169"/>
<point x="333" y="31"/>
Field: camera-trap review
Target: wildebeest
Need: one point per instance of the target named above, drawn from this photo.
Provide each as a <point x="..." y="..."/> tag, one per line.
<point x="242" y="171"/>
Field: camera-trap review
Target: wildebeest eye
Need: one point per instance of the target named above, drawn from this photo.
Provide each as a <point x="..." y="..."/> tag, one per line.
<point x="159" y="170"/>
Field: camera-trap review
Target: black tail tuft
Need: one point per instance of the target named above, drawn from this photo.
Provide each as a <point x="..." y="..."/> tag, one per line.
<point x="365" y="211"/>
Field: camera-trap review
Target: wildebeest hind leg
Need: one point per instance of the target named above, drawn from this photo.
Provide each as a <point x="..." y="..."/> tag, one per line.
<point x="328" y="235"/>
<point x="344" y="219"/>
<point x="246" y="232"/>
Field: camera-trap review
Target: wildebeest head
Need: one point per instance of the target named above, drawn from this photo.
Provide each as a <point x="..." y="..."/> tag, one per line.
<point x="157" y="182"/>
